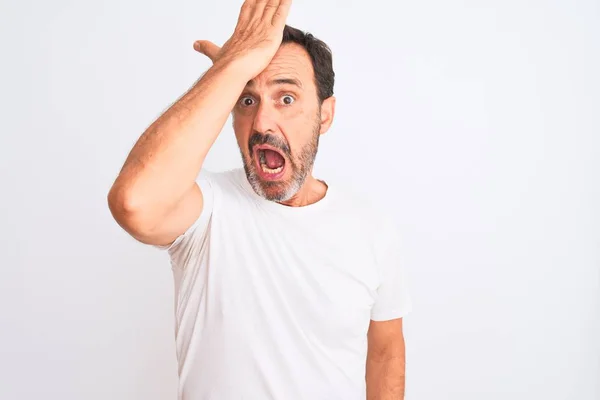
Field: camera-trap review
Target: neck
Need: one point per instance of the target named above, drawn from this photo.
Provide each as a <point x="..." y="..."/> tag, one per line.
<point x="311" y="192"/>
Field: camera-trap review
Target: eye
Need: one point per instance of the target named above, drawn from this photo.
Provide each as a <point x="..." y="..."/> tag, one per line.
<point x="246" y="101"/>
<point x="287" y="99"/>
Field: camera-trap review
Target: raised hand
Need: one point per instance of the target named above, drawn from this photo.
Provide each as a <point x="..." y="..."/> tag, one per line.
<point x="256" y="38"/>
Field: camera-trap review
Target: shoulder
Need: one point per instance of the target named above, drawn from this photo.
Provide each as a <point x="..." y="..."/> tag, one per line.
<point x="229" y="179"/>
<point x="223" y="186"/>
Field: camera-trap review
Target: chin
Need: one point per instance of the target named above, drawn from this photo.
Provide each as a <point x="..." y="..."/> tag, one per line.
<point x="278" y="191"/>
<point x="274" y="185"/>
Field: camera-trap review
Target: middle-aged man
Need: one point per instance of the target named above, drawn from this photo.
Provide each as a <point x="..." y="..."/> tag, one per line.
<point x="287" y="287"/>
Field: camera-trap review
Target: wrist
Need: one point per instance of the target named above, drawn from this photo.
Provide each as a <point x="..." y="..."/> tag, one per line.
<point x="234" y="67"/>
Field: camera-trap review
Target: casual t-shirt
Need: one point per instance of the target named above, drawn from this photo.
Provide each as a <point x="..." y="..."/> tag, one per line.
<point x="274" y="302"/>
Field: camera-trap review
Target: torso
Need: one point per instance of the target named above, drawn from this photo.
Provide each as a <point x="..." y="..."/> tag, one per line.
<point x="276" y="305"/>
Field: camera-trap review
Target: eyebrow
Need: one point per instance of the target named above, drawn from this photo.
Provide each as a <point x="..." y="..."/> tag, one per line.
<point x="279" y="81"/>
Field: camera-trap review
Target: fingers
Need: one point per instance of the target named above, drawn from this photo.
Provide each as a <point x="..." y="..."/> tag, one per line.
<point x="258" y="9"/>
<point x="273" y="12"/>
<point x="281" y="14"/>
<point x="207" y="48"/>
<point x="270" y="9"/>
<point x="246" y="13"/>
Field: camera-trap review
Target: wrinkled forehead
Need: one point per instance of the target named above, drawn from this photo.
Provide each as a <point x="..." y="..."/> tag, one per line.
<point x="290" y="62"/>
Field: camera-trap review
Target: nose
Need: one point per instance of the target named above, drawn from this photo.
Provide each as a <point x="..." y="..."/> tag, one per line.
<point x="265" y="120"/>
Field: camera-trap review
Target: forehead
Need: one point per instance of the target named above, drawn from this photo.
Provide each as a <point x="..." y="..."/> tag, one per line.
<point x="290" y="61"/>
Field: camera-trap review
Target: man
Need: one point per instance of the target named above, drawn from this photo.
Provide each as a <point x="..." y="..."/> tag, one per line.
<point x="286" y="287"/>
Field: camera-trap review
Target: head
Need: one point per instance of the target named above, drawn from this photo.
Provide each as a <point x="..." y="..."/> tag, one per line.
<point x="281" y="114"/>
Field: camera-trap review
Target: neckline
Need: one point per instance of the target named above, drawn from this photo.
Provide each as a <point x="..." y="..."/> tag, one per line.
<point x="282" y="208"/>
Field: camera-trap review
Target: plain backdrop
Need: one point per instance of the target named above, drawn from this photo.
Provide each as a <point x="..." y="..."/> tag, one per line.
<point x="475" y="122"/>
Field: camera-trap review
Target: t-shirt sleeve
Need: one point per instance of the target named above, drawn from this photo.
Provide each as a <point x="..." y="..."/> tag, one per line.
<point x="188" y="245"/>
<point x="393" y="298"/>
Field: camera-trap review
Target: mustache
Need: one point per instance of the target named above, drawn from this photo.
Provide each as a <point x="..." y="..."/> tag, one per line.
<point x="278" y="143"/>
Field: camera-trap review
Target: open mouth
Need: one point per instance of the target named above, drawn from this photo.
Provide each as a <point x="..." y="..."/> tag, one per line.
<point x="270" y="162"/>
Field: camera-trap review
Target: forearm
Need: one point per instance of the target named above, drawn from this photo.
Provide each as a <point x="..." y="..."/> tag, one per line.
<point x="385" y="378"/>
<point x="163" y="164"/>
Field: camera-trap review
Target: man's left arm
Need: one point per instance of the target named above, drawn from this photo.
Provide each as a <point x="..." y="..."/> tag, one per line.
<point x="386" y="360"/>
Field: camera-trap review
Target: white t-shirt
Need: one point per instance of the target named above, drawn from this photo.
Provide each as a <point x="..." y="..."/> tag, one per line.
<point x="274" y="302"/>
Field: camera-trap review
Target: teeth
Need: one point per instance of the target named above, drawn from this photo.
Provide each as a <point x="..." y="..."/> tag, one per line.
<point x="269" y="170"/>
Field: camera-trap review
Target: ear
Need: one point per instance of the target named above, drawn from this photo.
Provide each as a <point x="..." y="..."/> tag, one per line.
<point x="327" y="114"/>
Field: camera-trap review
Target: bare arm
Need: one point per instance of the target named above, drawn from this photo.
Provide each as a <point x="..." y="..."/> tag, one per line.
<point x="155" y="197"/>
<point x="161" y="169"/>
<point x="385" y="361"/>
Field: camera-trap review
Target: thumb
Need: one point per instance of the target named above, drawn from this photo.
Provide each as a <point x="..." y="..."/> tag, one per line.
<point x="207" y="48"/>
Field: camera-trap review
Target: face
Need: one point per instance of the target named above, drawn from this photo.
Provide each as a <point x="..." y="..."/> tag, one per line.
<point x="277" y="122"/>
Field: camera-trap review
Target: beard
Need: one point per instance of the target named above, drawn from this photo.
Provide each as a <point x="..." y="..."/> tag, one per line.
<point x="300" y="166"/>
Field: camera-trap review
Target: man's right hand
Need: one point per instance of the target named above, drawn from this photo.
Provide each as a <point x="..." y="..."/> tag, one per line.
<point x="256" y="38"/>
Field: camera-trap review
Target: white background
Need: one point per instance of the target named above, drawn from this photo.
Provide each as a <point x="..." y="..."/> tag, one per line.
<point x="476" y="122"/>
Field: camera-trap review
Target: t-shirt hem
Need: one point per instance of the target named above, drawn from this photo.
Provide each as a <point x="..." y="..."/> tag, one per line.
<point x="188" y="232"/>
<point x="394" y="314"/>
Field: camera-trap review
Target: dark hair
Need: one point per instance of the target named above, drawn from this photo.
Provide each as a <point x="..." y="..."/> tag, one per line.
<point x="320" y="55"/>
